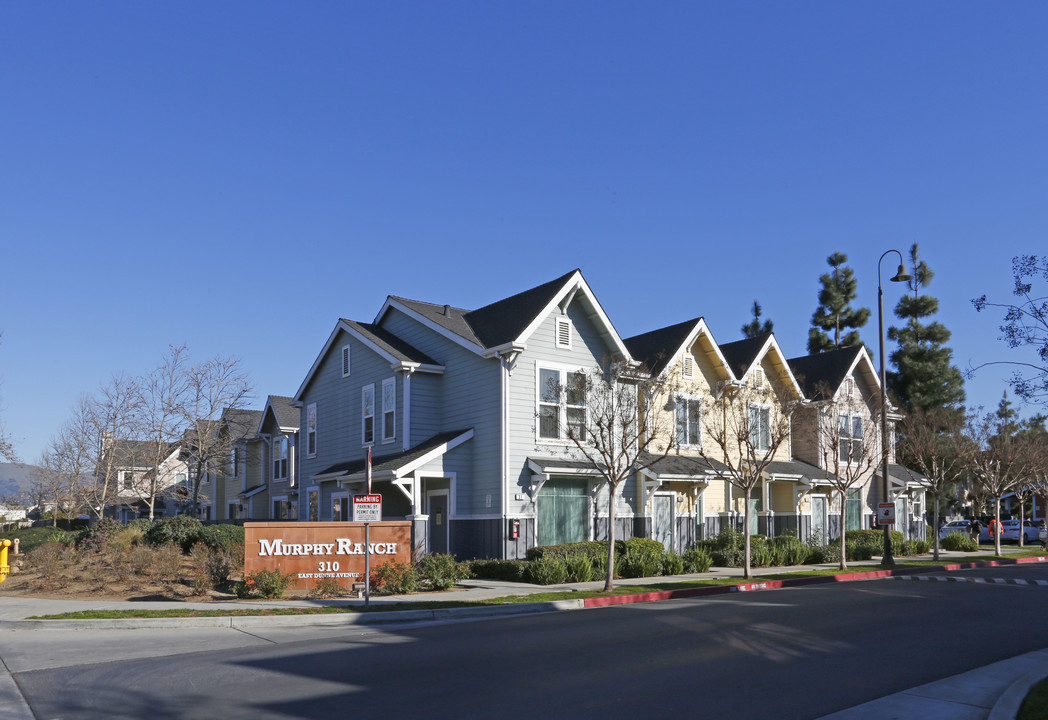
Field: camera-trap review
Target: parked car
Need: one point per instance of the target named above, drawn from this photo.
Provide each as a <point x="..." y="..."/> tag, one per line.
<point x="957" y="526"/>
<point x="1011" y="531"/>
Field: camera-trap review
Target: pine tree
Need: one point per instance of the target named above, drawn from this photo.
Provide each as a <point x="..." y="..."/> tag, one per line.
<point x="835" y="314"/>
<point x="755" y="327"/>
<point x="924" y="377"/>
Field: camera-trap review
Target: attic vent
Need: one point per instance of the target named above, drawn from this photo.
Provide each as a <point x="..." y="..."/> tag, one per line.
<point x="758" y="378"/>
<point x="564" y="333"/>
<point x="689" y="365"/>
<point x="849" y="386"/>
<point x="447" y="311"/>
<point x="345" y="361"/>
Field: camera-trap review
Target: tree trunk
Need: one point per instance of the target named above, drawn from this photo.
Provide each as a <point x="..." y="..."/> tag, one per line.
<point x="1022" y="518"/>
<point x="844" y="553"/>
<point x="609" y="582"/>
<point x="935" y="527"/>
<point x="746" y="535"/>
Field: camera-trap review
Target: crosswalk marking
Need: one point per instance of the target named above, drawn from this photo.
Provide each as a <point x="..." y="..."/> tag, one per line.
<point x="950" y="578"/>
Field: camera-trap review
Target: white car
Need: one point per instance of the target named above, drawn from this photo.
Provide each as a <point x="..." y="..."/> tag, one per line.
<point x="957" y="526"/>
<point x="1011" y="531"/>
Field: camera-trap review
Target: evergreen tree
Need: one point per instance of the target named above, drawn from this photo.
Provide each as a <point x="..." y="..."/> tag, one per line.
<point x="755" y="327"/>
<point x="924" y="377"/>
<point x="835" y="323"/>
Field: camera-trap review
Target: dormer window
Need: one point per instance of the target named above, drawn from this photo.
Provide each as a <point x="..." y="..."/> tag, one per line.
<point x="563" y="328"/>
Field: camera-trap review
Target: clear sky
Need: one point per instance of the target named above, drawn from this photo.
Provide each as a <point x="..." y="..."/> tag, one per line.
<point x="239" y="175"/>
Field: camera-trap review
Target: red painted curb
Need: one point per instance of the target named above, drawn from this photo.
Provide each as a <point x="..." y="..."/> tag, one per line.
<point x="755" y="585"/>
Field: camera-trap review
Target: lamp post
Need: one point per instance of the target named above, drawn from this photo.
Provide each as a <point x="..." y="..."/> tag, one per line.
<point x="901" y="276"/>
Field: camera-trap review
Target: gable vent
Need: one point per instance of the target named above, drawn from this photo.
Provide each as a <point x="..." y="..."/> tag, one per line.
<point x="689" y="366"/>
<point x="563" y="333"/>
<point x="758" y="378"/>
<point x="345" y="361"/>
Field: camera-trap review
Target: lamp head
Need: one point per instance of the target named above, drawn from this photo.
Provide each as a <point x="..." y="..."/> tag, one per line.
<point x="902" y="275"/>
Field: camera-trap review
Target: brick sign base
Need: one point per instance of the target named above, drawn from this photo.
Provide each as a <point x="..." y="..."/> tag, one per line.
<point x="323" y="550"/>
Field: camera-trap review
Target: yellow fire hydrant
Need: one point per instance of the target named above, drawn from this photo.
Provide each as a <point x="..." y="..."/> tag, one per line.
<point x="4" y="567"/>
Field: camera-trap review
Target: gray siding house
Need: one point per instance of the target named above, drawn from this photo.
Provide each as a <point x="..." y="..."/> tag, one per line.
<point x="448" y="401"/>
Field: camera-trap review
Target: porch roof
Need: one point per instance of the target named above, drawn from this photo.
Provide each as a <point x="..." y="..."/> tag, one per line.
<point x="396" y="464"/>
<point x="251" y="491"/>
<point x="682" y="467"/>
<point x="795" y="468"/>
<point x="561" y="466"/>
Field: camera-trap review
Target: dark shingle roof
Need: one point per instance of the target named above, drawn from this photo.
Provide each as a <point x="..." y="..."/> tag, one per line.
<point x="823" y="371"/>
<point x="496" y="324"/>
<point x="656" y="348"/>
<point x="287" y="415"/>
<point x="684" y="465"/>
<point x="741" y="353"/>
<point x="243" y="424"/>
<point x="391" y="343"/>
<point x="504" y="321"/>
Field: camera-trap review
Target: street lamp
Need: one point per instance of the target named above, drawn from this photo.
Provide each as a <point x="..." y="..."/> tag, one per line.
<point x="900" y="276"/>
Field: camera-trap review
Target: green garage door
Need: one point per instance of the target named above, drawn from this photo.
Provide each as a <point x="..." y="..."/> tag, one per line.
<point x="563" y="512"/>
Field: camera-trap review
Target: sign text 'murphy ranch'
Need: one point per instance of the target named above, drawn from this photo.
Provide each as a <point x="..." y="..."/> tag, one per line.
<point x="342" y="546"/>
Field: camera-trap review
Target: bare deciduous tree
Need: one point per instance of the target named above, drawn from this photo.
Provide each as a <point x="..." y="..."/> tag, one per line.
<point x="851" y="449"/>
<point x="747" y="425"/>
<point x="995" y="461"/>
<point x="932" y="443"/>
<point x="616" y="419"/>
<point x="212" y="387"/>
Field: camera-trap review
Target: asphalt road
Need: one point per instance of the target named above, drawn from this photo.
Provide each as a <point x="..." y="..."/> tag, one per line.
<point x="798" y="653"/>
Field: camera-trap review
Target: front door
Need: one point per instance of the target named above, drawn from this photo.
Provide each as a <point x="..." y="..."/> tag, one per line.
<point x="662" y="520"/>
<point x="438" y="522"/>
<point x="818" y="519"/>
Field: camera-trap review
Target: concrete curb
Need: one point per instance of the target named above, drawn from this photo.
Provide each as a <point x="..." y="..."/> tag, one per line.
<point x="292" y="620"/>
<point x="1007" y="706"/>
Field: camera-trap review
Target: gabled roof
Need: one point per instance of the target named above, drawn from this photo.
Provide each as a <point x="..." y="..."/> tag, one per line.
<point x="827" y="370"/>
<point x="506" y="323"/>
<point x="397" y="464"/>
<point x="399" y="354"/>
<point x="242" y="424"/>
<point x="742" y="354"/>
<point x="658" y="349"/>
<point x="140" y="453"/>
<point x="284" y="413"/>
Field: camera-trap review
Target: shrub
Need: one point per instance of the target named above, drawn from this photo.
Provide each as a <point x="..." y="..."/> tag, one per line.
<point x="595" y="550"/>
<point x="327" y="588"/>
<point x="127" y="537"/>
<point x="760" y="552"/>
<point x="268" y="583"/>
<point x="222" y="536"/>
<point x="182" y="530"/>
<point x="507" y="570"/>
<point x="166" y="563"/>
<point x="213" y="566"/>
<point x="854" y="550"/>
<point x="394" y="578"/>
<point x="639" y="557"/>
<point x="672" y="564"/>
<point x="789" y="550"/>
<point x="824" y="553"/>
<point x="95" y="537"/>
<point x="579" y="568"/>
<point x="961" y="542"/>
<point x="697" y="560"/>
<point x="546" y="571"/>
<point x="874" y="537"/>
<point x="49" y="559"/>
<point x="438" y="571"/>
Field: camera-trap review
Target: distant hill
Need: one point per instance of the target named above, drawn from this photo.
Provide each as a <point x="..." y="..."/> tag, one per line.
<point x="14" y="480"/>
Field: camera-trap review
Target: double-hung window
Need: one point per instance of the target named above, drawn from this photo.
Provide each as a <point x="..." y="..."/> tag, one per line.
<point x="367" y="414"/>
<point x="760" y="427"/>
<point x="562" y="404"/>
<point x="389" y="409"/>
<point x="850" y="440"/>
<point x="280" y="457"/>
<point x="311" y="429"/>
<point x="687" y="420"/>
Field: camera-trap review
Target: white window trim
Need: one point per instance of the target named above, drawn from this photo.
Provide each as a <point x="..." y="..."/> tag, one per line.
<point x="349" y="506"/>
<point x="562" y="322"/>
<point x="761" y="406"/>
<point x="347" y="368"/>
<point x="562" y="405"/>
<point x="387" y="383"/>
<point x="274" y="458"/>
<point x="690" y="398"/>
<point x="312" y="408"/>
<point x="363" y="391"/>
<point x="851" y="440"/>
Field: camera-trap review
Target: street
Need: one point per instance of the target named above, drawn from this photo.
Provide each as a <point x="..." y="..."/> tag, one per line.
<point x="799" y="653"/>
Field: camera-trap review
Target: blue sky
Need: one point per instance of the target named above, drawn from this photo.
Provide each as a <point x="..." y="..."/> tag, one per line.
<point x="237" y="176"/>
